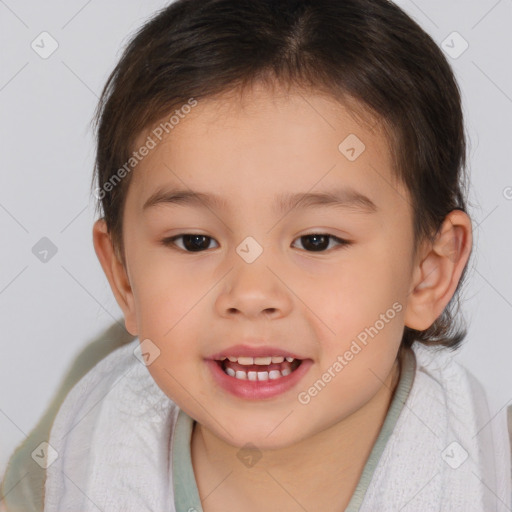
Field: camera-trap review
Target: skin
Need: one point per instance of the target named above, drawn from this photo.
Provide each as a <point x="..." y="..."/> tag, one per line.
<point x="313" y="303"/>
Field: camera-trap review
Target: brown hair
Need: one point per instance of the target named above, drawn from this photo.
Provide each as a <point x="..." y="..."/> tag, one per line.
<point x="367" y="53"/>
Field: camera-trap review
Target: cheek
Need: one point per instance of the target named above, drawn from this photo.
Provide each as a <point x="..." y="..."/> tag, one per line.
<point x="358" y="294"/>
<point x="165" y="294"/>
<point x="171" y="314"/>
<point x="363" y="306"/>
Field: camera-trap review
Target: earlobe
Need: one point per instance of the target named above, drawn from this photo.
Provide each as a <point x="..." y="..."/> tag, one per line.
<point x="438" y="270"/>
<point x="116" y="274"/>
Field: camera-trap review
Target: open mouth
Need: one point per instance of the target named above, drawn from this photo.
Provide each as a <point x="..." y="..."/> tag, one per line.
<point x="259" y="368"/>
<point x="258" y="378"/>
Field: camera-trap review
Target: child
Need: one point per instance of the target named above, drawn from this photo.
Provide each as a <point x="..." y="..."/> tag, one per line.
<point x="272" y="371"/>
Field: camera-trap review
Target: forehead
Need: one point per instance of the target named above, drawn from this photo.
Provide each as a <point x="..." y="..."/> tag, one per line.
<point x="264" y="144"/>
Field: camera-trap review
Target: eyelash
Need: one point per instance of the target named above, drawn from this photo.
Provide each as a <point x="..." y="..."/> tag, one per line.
<point x="168" y="242"/>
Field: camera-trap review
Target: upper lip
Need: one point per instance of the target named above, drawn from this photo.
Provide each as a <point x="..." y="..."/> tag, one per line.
<point x="260" y="351"/>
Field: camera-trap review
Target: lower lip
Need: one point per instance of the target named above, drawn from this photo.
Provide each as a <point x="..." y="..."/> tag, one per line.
<point x="257" y="390"/>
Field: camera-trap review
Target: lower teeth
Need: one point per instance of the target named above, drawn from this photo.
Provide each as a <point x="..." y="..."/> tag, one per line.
<point x="258" y="376"/>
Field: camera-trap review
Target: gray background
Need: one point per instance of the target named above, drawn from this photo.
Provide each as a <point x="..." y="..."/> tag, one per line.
<point x="50" y="311"/>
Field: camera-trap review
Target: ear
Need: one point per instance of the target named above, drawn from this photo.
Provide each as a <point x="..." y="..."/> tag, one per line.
<point x="116" y="274"/>
<point x="437" y="271"/>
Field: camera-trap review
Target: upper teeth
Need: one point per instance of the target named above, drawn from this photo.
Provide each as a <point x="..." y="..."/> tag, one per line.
<point x="257" y="360"/>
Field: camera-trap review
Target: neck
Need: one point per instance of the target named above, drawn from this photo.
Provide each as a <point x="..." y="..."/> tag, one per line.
<point x="330" y="462"/>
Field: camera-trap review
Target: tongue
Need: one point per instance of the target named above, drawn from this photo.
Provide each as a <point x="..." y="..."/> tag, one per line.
<point x="257" y="367"/>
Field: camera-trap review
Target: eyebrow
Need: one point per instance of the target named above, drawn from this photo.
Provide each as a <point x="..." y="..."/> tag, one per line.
<point x="343" y="198"/>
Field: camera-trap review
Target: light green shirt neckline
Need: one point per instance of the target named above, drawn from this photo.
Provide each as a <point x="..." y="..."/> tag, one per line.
<point x="186" y="494"/>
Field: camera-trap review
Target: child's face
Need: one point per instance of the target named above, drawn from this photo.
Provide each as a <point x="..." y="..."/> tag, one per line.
<point x="314" y="304"/>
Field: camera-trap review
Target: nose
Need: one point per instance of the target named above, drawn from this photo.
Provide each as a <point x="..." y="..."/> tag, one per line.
<point x="253" y="290"/>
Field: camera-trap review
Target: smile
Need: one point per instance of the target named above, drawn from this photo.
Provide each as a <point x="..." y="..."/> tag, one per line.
<point x="257" y="378"/>
<point x="258" y="368"/>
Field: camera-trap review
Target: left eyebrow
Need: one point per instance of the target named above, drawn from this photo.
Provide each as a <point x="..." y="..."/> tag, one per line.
<point x="342" y="198"/>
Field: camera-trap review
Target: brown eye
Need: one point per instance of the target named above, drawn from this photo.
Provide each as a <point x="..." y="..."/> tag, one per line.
<point x="191" y="242"/>
<point x="319" y="242"/>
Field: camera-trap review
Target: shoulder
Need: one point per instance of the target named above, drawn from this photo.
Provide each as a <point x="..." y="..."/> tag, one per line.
<point x="100" y="426"/>
<point x="22" y="485"/>
<point x="456" y="383"/>
<point x="118" y="384"/>
<point x="96" y="384"/>
<point x="440" y="364"/>
<point x="468" y="408"/>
